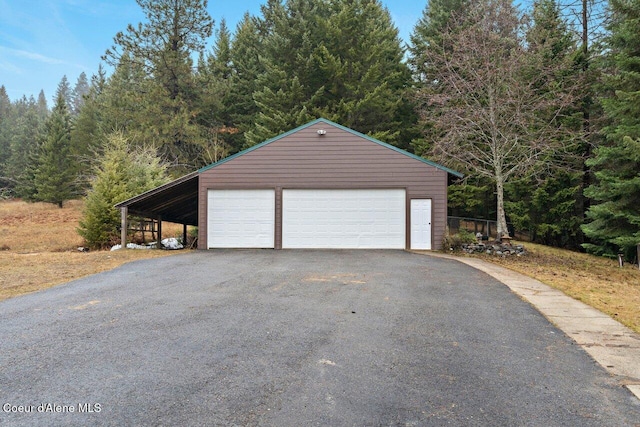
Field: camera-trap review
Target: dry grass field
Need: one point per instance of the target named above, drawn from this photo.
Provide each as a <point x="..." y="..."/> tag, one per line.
<point x="39" y="247"/>
<point x="596" y="281"/>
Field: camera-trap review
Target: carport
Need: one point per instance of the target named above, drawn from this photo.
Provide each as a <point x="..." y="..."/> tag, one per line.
<point x="176" y="201"/>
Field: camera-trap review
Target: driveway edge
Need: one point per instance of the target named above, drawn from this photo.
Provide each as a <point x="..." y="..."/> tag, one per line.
<point x="611" y="344"/>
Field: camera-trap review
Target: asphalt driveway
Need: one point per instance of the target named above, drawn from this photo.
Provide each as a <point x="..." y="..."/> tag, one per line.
<point x="292" y="338"/>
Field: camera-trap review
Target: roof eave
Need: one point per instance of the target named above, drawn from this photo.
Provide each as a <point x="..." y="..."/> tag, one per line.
<point x="159" y="189"/>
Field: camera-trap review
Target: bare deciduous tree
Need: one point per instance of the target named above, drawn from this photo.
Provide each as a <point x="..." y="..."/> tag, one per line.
<point x="496" y="107"/>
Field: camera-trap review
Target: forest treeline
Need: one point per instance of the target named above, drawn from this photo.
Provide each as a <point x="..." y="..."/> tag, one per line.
<point x="539" y="108"/>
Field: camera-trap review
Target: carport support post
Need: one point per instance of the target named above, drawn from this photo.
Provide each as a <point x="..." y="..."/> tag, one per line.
<point x="123" y="227"/>
<point x="184" y="235"/>
<point x="159" y="243"/>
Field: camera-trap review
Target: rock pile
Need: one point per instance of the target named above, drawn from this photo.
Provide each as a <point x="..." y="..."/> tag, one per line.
<point x="495" y="248"/>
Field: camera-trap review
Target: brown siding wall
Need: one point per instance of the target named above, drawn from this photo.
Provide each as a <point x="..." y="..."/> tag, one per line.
<point x="338" y="159"/>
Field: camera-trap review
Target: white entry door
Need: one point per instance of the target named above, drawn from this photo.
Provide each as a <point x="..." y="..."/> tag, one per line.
<point x="346" y="219"/>
<point x="241" y="219"/>
<point x="421" y="224"/>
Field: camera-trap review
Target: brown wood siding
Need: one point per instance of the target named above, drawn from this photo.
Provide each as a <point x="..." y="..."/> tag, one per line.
<point x="337" y="160"/>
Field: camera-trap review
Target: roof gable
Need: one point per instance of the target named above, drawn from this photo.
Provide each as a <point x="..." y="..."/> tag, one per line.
<point x="343" y="128"/>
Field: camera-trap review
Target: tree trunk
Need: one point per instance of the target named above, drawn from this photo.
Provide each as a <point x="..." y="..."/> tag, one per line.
<point x="502" y="218"/>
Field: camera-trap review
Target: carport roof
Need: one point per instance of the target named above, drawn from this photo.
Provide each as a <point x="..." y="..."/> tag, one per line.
<point x="176" y="201"/>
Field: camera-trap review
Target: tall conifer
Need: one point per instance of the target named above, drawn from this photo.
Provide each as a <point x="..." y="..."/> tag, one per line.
<point x="54" y="175"/>
<point x="614" y="216"/>
<point x="338" y="59"/>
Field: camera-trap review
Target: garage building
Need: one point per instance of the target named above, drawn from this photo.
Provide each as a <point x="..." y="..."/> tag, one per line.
<point x="320" y="185"/>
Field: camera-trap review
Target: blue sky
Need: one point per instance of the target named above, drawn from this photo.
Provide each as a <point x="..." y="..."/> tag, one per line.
<point x="42" y="40"/>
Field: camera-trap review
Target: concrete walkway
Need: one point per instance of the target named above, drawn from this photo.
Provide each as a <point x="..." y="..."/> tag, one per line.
<point x="614" y="346"/>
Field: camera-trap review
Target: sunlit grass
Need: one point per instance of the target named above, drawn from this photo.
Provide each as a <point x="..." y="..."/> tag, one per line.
<point x="39" y="247"/>
<point x="596" y="281"/>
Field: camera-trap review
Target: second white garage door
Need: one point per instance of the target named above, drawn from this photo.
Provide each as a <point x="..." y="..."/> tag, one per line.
<point x="348" y="219"/>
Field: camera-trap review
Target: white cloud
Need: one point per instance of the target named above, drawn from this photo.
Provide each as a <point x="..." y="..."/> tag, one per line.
<point x="37" y="57"/>
<point x="9" y="67"/>
<point x="31" y="55"/>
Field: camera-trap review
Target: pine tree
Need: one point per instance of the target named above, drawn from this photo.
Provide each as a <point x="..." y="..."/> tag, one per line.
<point x="80" y="90"/>
<point x="5" y="138"/>
<point x="162" y="48"/>
<point x="87" y="135"/>
<point x="426" y="34"/>
<point x="123" y="171"/>
<point x="54" y="177"/>
<point x="25" y="142"/>
<point x="64" y="90"/>
<point x="283" y="90"/>
<point x="366" y="80"/>
<point x="339" y="59"/>
<point x="43" y="109"/>
<point x="214" y="75"/>
<point x="247" y="64"/>
<point x="123" y="100"/>
<point x="438" y="17"/>
<point x="614" y="217"/>
<point x="219" y="64"/>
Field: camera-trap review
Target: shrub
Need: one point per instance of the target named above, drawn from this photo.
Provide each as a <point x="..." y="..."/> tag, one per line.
<point x="123" y="172"/>
<point x="455" y="241"/>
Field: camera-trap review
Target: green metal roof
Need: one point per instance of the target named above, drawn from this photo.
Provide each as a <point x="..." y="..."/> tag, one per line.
<point x="346" y="129"/>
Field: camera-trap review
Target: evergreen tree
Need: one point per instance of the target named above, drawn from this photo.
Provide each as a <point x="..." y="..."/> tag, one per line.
<point x="365" y="78"/>
<point x="219" y="63"/>
<point x="20" y="133"/>
<point x="247" y="64"/>
<point x="214" y="75"/>
<point x="163" y="47"/>
<point x="87" y="135"/>
<point x="54" y="177"/>
<point x="437" y="18"/>
<point x="43" y="109"/>
<point x="25" y="142"/>
<point x="614" y="217"/>
<point x="5" y="138"/>
<point x="337" y="59"/>
<point x="426" y="34"/>
<point x="282" y="92"/>
<point x="80" y="90"/>
<point x="123" y="172"/>
<point x="547" y="208"/>
<point x="64" y="90"/>
<point x="123" y="99"/>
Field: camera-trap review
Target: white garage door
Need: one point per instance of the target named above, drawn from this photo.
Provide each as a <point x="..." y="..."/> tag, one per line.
<point x="241" y="219"/>
<point x="349" y="219"/>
